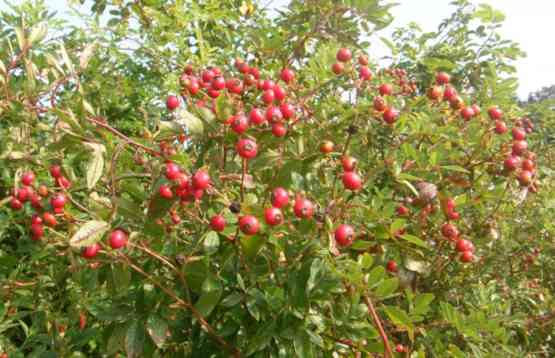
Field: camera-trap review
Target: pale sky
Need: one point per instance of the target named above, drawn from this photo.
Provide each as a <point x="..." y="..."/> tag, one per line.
<point x="529" y="23"/>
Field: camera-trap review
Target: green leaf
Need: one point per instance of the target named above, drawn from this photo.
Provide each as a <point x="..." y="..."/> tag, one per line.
<point x="365" y="261"/>
<point x="135" y="339"/>
<point x="157" y="329"/>
<point x="387" y="287"/>
<point x="89" y="233"/>
<point x="303" y="345"/>
<point x="415" y="240"/>
<point x="422" y="303"/>
<point x="455" y="168"/>
<point x="211" y="242"/>
<point x="211" y="294"/>
<point x="376" y="275"/>
<point x="192" y="122"/>
<point x="398" y="316"/>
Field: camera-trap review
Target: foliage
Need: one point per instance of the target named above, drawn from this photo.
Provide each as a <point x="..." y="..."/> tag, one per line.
<point x="91" y="98"/>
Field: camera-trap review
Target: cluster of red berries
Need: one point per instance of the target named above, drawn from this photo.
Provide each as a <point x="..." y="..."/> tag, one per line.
<point x="188" y="189"/>
<point x="442" y="90"/>
<point x="449" y="231"/>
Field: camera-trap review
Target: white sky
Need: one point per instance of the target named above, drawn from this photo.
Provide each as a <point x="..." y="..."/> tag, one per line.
<point x="530" y="23"/>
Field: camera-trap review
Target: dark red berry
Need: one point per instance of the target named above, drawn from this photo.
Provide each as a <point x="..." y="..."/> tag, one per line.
<point x="344" y="235"/>
<point x="352" y="181"/>
<point x="172" y="102"/>
<point x="217" y="223"/>
<point x="246" y="148"/>
<point x="165" y="191"/>
<point x="344" y="55"/>
<point x="303" y="208"/>
<point x="201" y="180"/>
<point x="273" y="216"/>
<point x="118" y="239"/>
<point x="280" y="197"/>
<point x="90" y="252"/>
<point x="249" y="225"/>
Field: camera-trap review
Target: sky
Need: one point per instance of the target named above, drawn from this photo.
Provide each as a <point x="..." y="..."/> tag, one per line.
<point x="527" y="22"/>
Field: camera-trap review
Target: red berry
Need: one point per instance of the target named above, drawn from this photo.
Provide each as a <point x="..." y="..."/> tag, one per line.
<point x="280" y="197"/>
<point x="400" y="348"/>
<point x="268" y="96"/>
<point x="268" y="85"/>
<point x="511" y="163"/>
<point x="279" y="130"/>
<point x="28" y="178"/>
<point x="467" y="256"/>
<point x="165" y="191"/>
<point x="201" y="180"/>
<point x="352" y="181"/>
<point x="256" y="117"/>
<point x="495" y="113"/>
<point x="58" y="201"/>
<point x="349" y="163"/>
<point x="344" y="235"/>
<point x="442" y="78"/>
<point x="449" y="231"/>
<point x="385" y="89"/>
<point x="273" y="216"/>
<point x="118" y="239"/>
<point x="344" y="55"/>
<point x="90" y="252"/>
<point x="212" y="93"/>
<point x="402" y="210"/>
<point x="435" y="93"/>
<point x="287" y="75"/>
<point x="450" y="93"/>
<point x="525" y="177"/>
<point x="528" y="165"/>
<point x="218" y="83"/>
<point x="448" y="205"/>
<point x="43" y="190"/>
<point x="477" y="110"/>
<point x="207" y="75"/>
<point x="462" y="245"/>
<point x="63" y="182"/>
<point x="337" y="68"/>
<point x="37" y="231"/>
<point x="453" y="215"/>
<point x="49" y="219"/>
<point x="391" y="266"/>
<point x="246" y="148"/>
<point x="22" y="194"/>
<point x="36" y="201"/>
<point x="467" y="113"/>
<point x="279" y="93"/>
<point x="379" y="104"/>
<point x="239" y="124"/>
<point x="172" y="102"/>
<point x="326" y="147"/>
<point x="303" y="208"/>
<point x="287" y="110"/>
<point x="365" y="73"/>
<point x="35" y="219"/>
<point x="253" y="71"/>
<point x="249" y="225"/>
<point x="518" y="133"/>
<point x="217" y="223"/>
<point x="500" y="127"/>
<point x="390" y="115"/>
<point x="519" y="147"/>
<point x="273" y="114"/>
<point x="172" y="171"/>
<point x="363" y="60"/>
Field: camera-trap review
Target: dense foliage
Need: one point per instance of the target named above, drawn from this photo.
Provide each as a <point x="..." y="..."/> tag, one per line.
<point x="213" y="178"/>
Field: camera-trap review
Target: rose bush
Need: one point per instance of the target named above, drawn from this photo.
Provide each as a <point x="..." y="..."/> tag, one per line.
<point x="213" y="179"/>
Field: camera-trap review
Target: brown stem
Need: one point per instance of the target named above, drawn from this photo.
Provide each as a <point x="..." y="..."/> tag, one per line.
<point x="378" y="323"/>
<point x="243" y="174"/>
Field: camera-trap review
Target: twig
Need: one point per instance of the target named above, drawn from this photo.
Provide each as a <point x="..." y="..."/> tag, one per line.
<point x="378" y="323"/>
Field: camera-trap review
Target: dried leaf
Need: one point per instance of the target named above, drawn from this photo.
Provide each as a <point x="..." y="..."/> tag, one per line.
<point x="90" y="233"/>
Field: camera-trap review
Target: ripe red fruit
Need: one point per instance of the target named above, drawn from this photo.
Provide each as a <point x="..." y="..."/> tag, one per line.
<point x="58" y="201"/>
<point x="442" y="78"/>
<point x="256" y="117"/>
<point x="207" y="75"/>
<point x="273" y="114"/>
<point x="249" y="225"/>
<point x="500" y="127"/>
<point x="36" y="201"/>
<point x="519" y="147"/>
<point x="528" y="165"/>
<point x="449" y="231"/>
<point x="462" y="245"/>
<point x="239" y="124"/>
<point x="82" y="321"/>
<point x="28" y="178"/>
<point x="453" y="215"/>
<point x="450" y="93"/>
<point x="165" y="191"/>
<point x="365" y="74"/>
<point x="172" y="171"/>
<point x="273" y="216"/>
<point x="172" y="102"/>
<point x="279" y="93"/>
<point x="303" y="208"/>
<point x="448" y="205"/>
<point x="352" y="181"/>
<point x="456" y="103"/>
<point x="363" y="60"/>
<point x="467" y="113"/>
<point x="467" y="256"/>
<point x="268" y="96"/>
<point x="246" y="148"/>
<point x="90" y="252"/>
<point x="402" y="210"/>
<point x="344" y="235"/>
<point x="477" y="110"/>
<point x="343" y="55"/>
<point x="379" y="104"/>
<point x="279" y="130"/>
<point x="218" y="83"/>
<point x="254" y="72"/>
<point x="35" y="219"/>
<point x="349" y="163"/>
<point x="390" y="115"/>
<point x="287" y="110"/>
<point x="385" y="89"/>
<point x="495" y="113"/>
<point x="511" y="163"/>
<point x="43" y="190"/>
<point x="37" y="231"/>
<point x="391" y="266"/>
<point x="525" y="177"/>
<point x="49" y="219"/>
<point x="118" y="239"/>
<point x="337" y="68"/>
<point x="280" y="197"/>
<point x="201" y="180"/>
<point x="518" y="133"/>
<point x="435" y="93"/>
<point x="326" y="147"/>
<point x="217" y="223"/>
<point x="212" y="93"/>
<point x="287" y="75"/>
<point x="22" y="194"/>
<point x="267" y="85"/>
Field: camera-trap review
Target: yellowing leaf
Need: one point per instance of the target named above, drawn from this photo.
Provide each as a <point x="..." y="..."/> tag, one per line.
<point x="95" y="166"/>
<point x="90" y="233"/>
